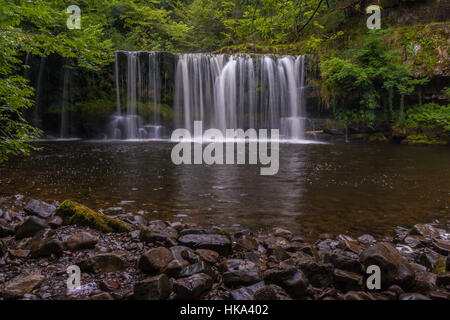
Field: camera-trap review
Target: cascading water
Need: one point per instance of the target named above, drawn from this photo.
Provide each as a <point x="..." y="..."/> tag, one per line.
<point x="241" y="91"/>
<point x="224" y="92"/>
<point x="65" y="101"/>
<point x="143" y="82"/>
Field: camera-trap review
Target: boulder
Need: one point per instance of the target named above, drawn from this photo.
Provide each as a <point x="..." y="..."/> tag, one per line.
<point x="216" y="242"/>
<point x="54" y="222"/>
<point x="104" y="262"/>
<point x="192" y="287"/>
<point x="247" y="293"/>
<point x="74" y="213"/>
<point x="344" y="260"/>
<point x="271" y="292"/>
<point x="240" y="272"/>
<point x="206" y="255"/>
<point x="413" y="296"/>
<point x="426" y="230"/>
<point x="18" y="287"/>
<point x="39" y="208"/>
<point x="394" y="268"/>
<point x="347" y="281"/>
<point x="80" y="241"/>
<point x="319" y="275"/>
<point x="6" y="230"/>
<point x="289" y="278"/>
<point x="155" y="288"/>
<point x="155" y="260"/>
<point x="199" y="267"/>
<point x="280" y="232"/>
<point x="30" y="227"/>
<point x="46" y="247"/>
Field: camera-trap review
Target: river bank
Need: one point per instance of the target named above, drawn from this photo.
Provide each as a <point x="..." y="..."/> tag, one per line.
<point x="124" y="257"/>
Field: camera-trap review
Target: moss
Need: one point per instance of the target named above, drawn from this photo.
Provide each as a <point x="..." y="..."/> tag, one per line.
<point x="423" y="139"/>
<point x="378" y="137"/>
<point x="74" y="213"/>
<point x="439" y="266"/>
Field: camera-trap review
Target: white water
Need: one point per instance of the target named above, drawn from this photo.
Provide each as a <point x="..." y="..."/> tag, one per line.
<point x="229" y="92"/>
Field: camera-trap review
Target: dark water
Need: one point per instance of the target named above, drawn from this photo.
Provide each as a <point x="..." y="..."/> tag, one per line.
<point x="332" y="188"/>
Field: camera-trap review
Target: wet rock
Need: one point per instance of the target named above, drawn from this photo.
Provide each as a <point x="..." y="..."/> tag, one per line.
<point x="400" y="234"/>
<point x="206" y="255"/>
<point x="18" y="287"/>
<point x="414" y="241"/>
<point x="247" y="293"/>
<point x="327" y="245"/>
<point x="280" y="232"/>
<point x="439" y="295"/>
<point x="347" y="281"/>
<point x="358" y="295"/>
<point x="396" y="289"/>
<point x="40" y="208"/>
<point x="155" y="288"/>
<point x="447" y="263"/>
<point x="271" y="292"/>
<point x="216" y="242"/>
<point x="104" y="262"/>
<point x="444" y="279"/>
<point x="248" y="243"/>
<point x="240" y="272"/>
<point x="442" y="246"/>
<point x="348" y="243"/>
<point x="192" y="287"/>
<point x="184" y="254"/>
<point x="5" y="230"/>
<point x="74" y="213"/>
<point x="54" y="222"/>
<point x="19" y="253"/>
<point x="148" y="236"/>
<point x="113" y="211"/>
<point x="109" y="285"/>
<point x="432" y="260"/>
<point x="46" y="247"/>
<point x="426" y="230"/>
<point x="366" y="239"/>
<point x="80" y="241"/>
<point x="394" y="268"/>
<point x="277" y="253"/>
<point x="248" y="255"/>
<point x="345" y="260"/>
<point x="413" y="296"/>
<point x="30" y="227"/>
<point x="319" y="275"/>
<point x="199" y="267"/>
<point x="102" y="296"/>
<point x="425" y="282"/>
<point x="289" y="278"/>
<point x="155" y="260"/>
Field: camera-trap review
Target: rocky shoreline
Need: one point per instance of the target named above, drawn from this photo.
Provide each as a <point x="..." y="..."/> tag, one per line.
<point x="128" y="257"/>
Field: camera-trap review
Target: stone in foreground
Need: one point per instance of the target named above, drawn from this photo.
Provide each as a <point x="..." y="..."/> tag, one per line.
<point x="216" y="242"/>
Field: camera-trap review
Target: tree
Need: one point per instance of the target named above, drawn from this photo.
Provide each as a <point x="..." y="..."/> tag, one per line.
<point x="39" y="28"/>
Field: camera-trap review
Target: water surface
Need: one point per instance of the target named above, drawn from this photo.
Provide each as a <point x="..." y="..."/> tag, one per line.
<point x="320" y="188"/>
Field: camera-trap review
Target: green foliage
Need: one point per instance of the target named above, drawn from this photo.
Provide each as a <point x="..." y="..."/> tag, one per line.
<point x="369" y="73"/>
<point x="430" y="115"/>
<point x="39" y="27"/>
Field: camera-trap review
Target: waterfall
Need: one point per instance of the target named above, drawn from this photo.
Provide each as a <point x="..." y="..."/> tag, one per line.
<point x="37" y="122"/>
<point x="65" y="101"/>
<point x="222" y="91"/>
<point x="142" y="118"/>
<point x="241" y="91"/>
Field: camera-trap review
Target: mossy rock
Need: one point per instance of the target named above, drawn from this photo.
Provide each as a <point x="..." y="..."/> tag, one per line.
<point x="421" y="139"/>
<point x="378" y="137"/>
<point x="74" y="213"/>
